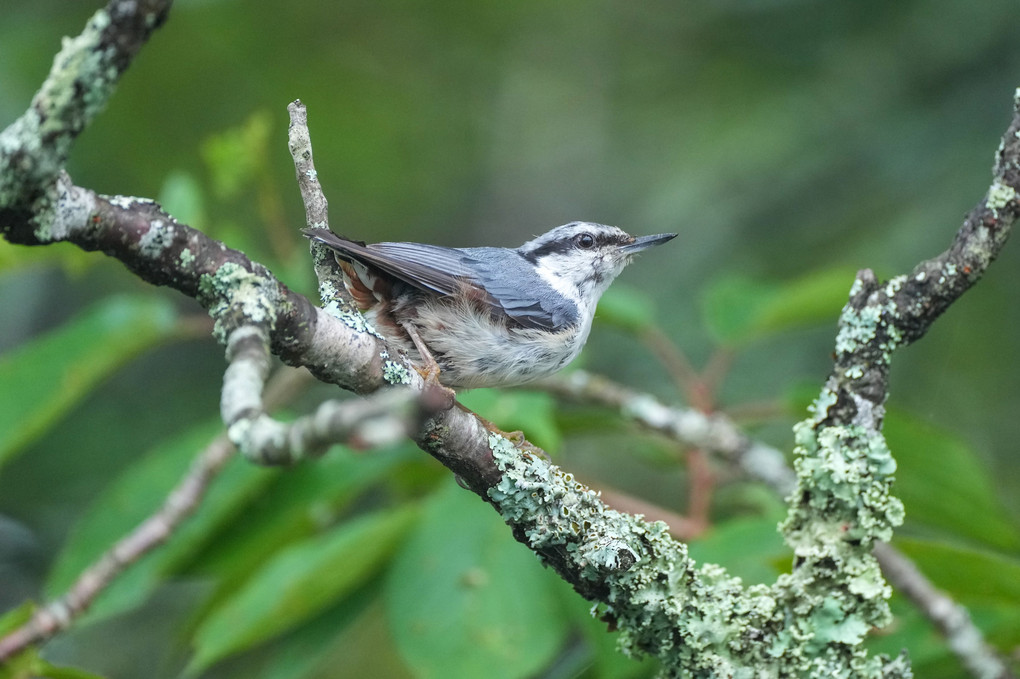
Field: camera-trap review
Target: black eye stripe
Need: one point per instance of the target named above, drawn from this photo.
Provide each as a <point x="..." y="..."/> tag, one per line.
<point x="564" y="245"/>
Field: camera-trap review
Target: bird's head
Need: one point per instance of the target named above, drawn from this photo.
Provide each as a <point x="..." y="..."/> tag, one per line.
<point x="581" y="259"/>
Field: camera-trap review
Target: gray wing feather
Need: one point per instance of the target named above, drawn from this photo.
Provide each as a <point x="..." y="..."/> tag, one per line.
<point x="502" y="278"/>
<point x="433" y="267"/>
<point x="523" y="294"/>
<point x="426" y="267"/>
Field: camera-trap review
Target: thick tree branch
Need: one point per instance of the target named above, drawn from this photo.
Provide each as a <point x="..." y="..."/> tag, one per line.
<point x="386" y="417"/>
<point x="717" y="434"/>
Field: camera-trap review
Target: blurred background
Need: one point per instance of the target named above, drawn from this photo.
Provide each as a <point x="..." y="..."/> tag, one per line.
<point x="789" y="142"/>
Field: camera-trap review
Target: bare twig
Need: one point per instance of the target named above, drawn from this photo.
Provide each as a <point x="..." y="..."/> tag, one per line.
<point x="300" y="143"/>
<point x="332" y="290"/>
<point x="186" y="496"/>
<point x="676" y="363"/>
<point x="951" y="619"/>
<point x="714" y="432"/>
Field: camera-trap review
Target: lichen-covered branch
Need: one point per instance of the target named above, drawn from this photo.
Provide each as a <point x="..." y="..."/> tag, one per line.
<point x="34" y="149"/>
<point x="811" y="622"/>
<point x="758" y="461"/>
<point x="331" y="287"/>
<point x="386" y="417"/>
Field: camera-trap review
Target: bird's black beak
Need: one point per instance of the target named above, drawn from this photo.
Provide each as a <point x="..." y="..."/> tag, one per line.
<point x="645" y="242"/>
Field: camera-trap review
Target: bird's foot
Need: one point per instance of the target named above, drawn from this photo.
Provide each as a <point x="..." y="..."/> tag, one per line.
<point x="429" y="369"/>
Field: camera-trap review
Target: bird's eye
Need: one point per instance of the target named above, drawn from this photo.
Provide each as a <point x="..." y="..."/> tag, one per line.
<point x="585" y="240"/>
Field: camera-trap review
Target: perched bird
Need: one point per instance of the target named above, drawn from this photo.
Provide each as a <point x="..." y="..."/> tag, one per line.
<point x="487" y="317"/>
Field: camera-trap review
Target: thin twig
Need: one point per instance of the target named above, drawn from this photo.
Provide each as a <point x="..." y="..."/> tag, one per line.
<point x="180" y="503"/>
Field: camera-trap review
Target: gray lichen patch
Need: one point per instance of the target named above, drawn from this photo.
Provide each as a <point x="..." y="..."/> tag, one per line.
<point x="999" y="196"/>
<point x="395" y="373"/>
<point x="157" y="239"/>
<point x="235" y="297"/>
<point x="187" y="258"/>
<point x="350" y="317"/>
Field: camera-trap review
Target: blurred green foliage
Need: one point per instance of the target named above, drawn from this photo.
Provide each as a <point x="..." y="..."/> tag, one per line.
<point x="789" y="142"/>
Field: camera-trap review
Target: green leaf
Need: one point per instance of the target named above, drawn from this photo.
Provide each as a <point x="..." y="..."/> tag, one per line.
<point x="16" y="617"/>
<point x="968" y="575"/>
<point x="237" y="156"/>
<point x="13" y="257"/>
<point x="746" y="547"/>
<point x="130" y="499"/>
<point x="465" y="600"/>
<point x="943" y="483"/>
<point x="604" y="659"/>
<point x="738" y="309"/>
<point x="354" y="636"/>
<point x="42" y="380"/>
<point x="44" y="670"/>
<point x="298" y="583"/>
<point x="304" y="650"/>
<point x="627" y="308"/>
<point x="532" y="412"/>
<point x="294" y="505"/>
<point x="181" y="196"/>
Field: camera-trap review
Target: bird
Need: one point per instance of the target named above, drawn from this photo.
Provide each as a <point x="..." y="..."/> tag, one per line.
<point x="486" y="316"/>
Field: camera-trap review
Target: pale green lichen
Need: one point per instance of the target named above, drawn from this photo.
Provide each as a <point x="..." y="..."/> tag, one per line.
<point x="700" y="621"/>
<point x="350" y="317"/>
<point x="854" y="373"/>
<point x="79" y="84"/>
<point x="860" y="327"/>
<point x="129" y="202"/>
<point x="328" y="292"/>
<point x="394" y="373"/>
<point x="857" y="328"/>
<point x="80" y="70"/>
<point x="894" y="284"/>
<point x="187" y="258"/>
<point x="999" y="196"/>
<point x="336" y="305"/>
<point x="841" y="506"/>
<point x="236" y="296"/>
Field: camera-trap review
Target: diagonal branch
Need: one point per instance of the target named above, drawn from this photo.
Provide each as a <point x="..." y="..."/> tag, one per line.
<point x="184" y="499"/>
<point x="34" y="149"/>
<point x="718" y="434"/>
